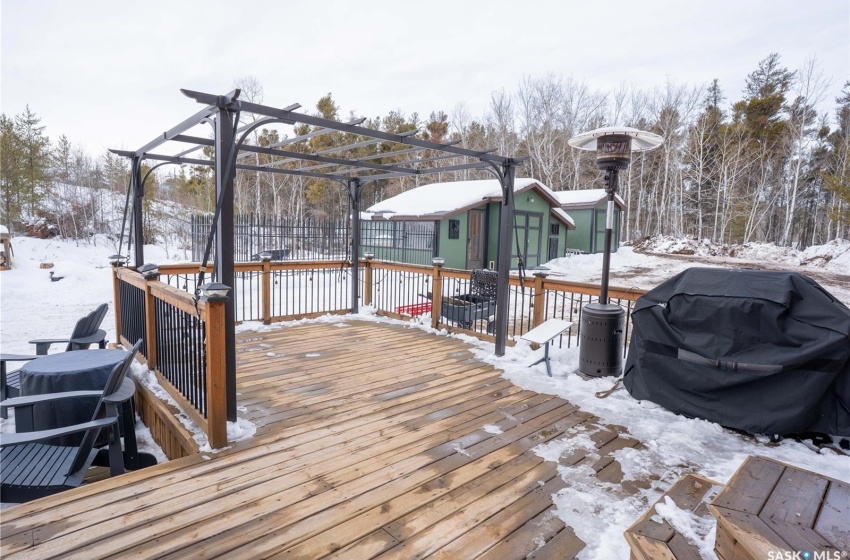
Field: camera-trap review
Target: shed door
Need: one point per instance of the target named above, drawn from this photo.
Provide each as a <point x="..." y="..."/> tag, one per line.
<point x="527" y="233"/>
<point x="475" y="240"/>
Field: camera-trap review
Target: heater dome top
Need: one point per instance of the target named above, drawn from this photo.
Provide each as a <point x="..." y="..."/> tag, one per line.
<point x="642" y="141"/>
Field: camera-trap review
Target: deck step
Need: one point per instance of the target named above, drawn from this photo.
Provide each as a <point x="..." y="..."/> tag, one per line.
<point x="653" y="538"/>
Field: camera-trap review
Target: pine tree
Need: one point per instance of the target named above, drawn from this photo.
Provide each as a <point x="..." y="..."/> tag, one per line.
<point x="35" y="148"/>
<point x="11" y="172"/>
<point x="836" y="176"/>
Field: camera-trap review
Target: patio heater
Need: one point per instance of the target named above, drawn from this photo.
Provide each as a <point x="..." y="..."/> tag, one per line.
<point x="602" y="323"/>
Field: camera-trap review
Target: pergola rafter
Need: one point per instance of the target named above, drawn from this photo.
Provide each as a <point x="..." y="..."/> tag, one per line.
<point x="229" y="147"/>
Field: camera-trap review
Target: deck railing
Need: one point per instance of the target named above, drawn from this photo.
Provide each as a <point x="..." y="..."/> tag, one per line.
<point x="184" y="343"/>
<point x="403" y="290"/>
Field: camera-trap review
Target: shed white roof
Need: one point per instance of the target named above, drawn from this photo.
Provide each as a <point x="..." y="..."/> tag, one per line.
<point x="585" y="198"/>
<point x="564" y="217"/>
<point x="440" y="199"/>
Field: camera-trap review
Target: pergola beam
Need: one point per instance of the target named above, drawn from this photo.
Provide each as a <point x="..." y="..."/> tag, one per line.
<point x="294" y="156"/>
<point x="429" y="171"/>
<point x="205" y="113"/>
<point x="210" y="163"/>
<point x="293" y="117"/>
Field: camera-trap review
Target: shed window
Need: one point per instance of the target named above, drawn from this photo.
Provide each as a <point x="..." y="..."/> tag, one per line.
<point x="454" y="229"/>
<point x="554" y="229"/>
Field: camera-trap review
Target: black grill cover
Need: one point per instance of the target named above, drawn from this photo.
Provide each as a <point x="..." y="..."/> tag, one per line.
<point x="761" y="351"/>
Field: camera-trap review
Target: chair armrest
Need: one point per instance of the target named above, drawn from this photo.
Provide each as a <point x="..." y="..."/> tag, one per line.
<point x="124" y="393"/>
<point x="17" y="357"/>
<point x="32" y="437"/>
<point x="42" y="345"/>
<point x="91" y="339"/>
<point x="49" y="397"/>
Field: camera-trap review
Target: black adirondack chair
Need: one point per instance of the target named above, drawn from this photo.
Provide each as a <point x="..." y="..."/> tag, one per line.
<point x="31" y="467"/>
<point x="86" y="332"/>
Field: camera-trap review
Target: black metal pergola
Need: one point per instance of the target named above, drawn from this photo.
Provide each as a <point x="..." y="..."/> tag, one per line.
<point x="223" y="113"/>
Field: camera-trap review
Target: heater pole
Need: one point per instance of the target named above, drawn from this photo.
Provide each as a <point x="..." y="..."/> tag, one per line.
<point x="611" y="177"/>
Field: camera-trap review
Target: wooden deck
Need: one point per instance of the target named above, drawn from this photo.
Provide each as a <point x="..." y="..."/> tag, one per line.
<point x="370" y="444"/>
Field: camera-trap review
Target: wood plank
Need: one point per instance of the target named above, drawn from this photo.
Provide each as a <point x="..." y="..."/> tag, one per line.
<point x="563" y="546"/>
<point x="216" y="484"/>
<point x="753" y="538"/>
<point x="682" y="549"/>
<point x="796" y="498"/>
<point x="750" y="486"/>
<point x="799" y="537"/>
<point x="448" y="469"/>
<point x="367" y="547"/>
<point x="832" y="523"/>
<point x="528" y="538"/>
<point x="428" y="541"/>
<point x="504" y="521"/>
<point x="650" y="539"/>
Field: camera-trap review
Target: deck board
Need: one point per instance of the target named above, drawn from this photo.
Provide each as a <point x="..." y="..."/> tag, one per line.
<point x="370" y="444"/>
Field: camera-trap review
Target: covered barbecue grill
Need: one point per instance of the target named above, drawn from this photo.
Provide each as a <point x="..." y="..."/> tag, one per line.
<point x="478" y="304"/>
<point x="761" y="351"/>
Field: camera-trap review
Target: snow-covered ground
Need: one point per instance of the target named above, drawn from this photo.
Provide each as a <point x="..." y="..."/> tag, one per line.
<point x="31" y="306"/>
<point x="653" y="261"/>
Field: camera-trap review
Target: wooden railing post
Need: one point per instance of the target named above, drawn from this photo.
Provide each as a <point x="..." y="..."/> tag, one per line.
<point x="538" y="313"/>
<point x="538" y="316"/>
<point x="214" y="318"/>
<point x="150" y="322"/>
<point x="266" y="291"/>
<point x="116" y="305"/>
<point x="367" y="280"/>
<point x="436" y="294"/>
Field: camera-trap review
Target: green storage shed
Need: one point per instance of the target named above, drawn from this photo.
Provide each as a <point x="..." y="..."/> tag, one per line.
<point x="465" y="218"/>
<point x="588" y="208"/>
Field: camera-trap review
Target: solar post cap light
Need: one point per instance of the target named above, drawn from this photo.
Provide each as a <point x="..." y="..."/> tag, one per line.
<point x="150" y="271"/>
<point x="601" y="333"/>
<point x="214" y="291"/>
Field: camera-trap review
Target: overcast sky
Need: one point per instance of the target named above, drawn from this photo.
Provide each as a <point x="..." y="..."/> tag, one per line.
<point x="107" y="73"/>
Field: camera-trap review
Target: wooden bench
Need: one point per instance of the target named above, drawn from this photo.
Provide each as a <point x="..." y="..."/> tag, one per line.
<point x="652" y="538"/>
<point x="543" y="334"/>
<point x="771" y="507"/>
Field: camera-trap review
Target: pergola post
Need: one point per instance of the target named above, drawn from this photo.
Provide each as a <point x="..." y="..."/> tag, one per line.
<point x="224" y="148"/>
<point x="354" y="189"/>
<point x="506" y="220"/>
<point x="138" y="197"/>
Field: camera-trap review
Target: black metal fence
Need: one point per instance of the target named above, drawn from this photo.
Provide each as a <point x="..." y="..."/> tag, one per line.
<point x="309" y="291"/>
<point x="284" y="238"/>
<point x="181" y="352"/>
<point x="132" y="314"/>
<point x="319" y="239"/>
<point x="405" y="242"/>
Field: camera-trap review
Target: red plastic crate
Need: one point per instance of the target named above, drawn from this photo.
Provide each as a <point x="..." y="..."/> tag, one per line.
<point x="414" y="310"/>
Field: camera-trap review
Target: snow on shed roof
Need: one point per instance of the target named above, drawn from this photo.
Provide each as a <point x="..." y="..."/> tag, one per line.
<point x="564" y="218"/>
<point x="3" y="229"/>
<point x="439" y="199"/>
<point x="585" y="198"/>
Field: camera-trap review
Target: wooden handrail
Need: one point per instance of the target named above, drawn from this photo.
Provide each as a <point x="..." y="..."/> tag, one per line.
<point x="184" y="301"/>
